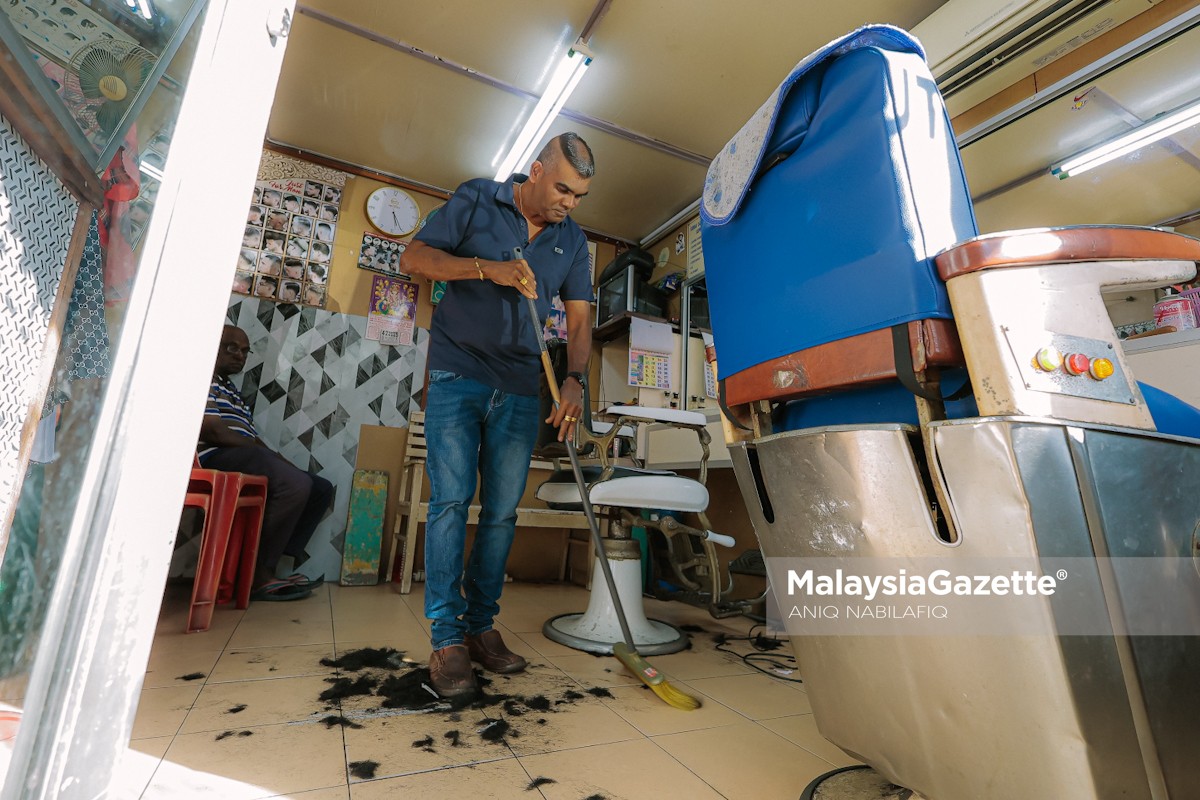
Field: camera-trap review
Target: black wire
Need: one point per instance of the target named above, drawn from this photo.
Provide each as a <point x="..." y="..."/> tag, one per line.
<point x="763" y="653"/>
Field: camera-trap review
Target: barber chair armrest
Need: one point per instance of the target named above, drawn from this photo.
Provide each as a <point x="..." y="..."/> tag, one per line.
<point x="1022" y="296"/>
<point x="600" y="428"/>
<point x="671" y="416"/>
<point x="1166" y="255"/>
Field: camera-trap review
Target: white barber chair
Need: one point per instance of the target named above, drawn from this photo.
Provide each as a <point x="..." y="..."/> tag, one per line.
<point x="622" y="492"/>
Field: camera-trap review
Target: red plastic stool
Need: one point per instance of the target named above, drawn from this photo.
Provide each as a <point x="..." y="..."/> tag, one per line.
<point x="233" y="504"/>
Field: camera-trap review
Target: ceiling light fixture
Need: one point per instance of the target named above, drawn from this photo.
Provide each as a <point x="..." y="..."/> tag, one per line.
<point x="564" y="80"/>
<point x="1160" y="128"/>
<point x="142" y="7"/>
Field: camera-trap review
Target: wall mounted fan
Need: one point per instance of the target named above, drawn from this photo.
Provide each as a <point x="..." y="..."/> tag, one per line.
<point x="109" y="75"/>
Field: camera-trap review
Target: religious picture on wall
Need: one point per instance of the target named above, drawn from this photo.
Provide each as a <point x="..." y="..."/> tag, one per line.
<point x="393" y="312"/>
<point x="287" y="244"/>
<point x="556" y="321"/>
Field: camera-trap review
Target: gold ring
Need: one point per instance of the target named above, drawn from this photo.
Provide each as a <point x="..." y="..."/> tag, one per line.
<point x="572" y="419"/>
<point x="524" y="281"/>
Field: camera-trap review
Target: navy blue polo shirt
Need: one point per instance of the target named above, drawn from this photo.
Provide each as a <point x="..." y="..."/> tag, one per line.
<point x="482" y="330"/>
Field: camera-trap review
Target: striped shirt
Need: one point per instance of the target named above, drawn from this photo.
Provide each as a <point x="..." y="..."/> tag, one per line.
<point x="225" y="402"/>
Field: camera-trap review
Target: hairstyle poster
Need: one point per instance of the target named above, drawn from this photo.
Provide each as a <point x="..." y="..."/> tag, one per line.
<point x="287" y="244"/>
<point x="382" y="254"/>
<point x="393" y="313"/>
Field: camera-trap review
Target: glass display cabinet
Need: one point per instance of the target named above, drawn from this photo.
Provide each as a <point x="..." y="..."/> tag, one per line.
<point x="109" y="330"/>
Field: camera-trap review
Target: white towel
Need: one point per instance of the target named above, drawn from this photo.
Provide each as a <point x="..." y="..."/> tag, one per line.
<point x="731" y="172"/>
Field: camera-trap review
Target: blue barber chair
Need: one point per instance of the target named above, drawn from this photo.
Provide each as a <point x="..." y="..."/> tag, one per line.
<point x="907" y="392"/>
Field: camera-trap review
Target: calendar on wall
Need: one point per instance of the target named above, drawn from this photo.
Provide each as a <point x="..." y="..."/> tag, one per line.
<point x="649" y="370"/>
<point x="651" y="359"/>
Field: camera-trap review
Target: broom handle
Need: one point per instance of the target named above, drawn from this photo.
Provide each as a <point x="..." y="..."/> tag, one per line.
<point x="597" y="543"/>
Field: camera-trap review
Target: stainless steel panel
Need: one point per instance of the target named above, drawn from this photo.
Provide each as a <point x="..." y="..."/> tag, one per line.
<point x="1002" y="716"/>
<point x="1145" y="494"/>
<point x="1025" y="343"/>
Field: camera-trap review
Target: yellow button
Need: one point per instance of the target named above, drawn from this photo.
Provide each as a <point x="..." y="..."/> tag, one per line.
<point x="1048" y="359"/>
<point x="1101" y="368"/>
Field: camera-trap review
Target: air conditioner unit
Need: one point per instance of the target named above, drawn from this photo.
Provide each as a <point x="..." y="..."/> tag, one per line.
<point x="976" y="48"/>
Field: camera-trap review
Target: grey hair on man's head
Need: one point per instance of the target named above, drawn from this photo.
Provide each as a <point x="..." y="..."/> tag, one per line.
<point x="571" y="146"/>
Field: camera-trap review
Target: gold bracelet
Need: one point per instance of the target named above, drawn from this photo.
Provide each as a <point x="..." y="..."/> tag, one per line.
<point x="479" y="268"/>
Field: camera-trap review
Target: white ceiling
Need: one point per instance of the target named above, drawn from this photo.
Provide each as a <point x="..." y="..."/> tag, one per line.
<point x="687" y="74"/>
<point x="1151" y="185"/>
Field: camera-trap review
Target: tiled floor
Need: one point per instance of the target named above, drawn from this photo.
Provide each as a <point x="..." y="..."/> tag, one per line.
<point x="252" y="725"/>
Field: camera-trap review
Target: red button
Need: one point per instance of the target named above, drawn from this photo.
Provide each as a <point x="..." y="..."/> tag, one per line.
<point x="1076" y="364"/>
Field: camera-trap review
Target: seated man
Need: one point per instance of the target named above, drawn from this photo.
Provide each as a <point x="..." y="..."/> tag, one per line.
<point x="296" y="500"/>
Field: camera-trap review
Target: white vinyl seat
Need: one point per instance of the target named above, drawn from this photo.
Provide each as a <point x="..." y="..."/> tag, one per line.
<point x="624" y="492"/>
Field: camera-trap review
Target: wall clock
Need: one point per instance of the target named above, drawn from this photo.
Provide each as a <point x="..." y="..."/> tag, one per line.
<point x="393" y="211"/>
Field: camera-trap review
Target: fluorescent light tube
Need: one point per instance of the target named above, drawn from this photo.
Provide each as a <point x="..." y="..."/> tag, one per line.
<point x="564" y="80"/>
<point x="150" y="172"/>
<point x="142" y="7"/>
<point x="1160" y="128"/>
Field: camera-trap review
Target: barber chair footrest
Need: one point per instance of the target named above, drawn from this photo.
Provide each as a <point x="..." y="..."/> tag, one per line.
<point x="857" y="782"/>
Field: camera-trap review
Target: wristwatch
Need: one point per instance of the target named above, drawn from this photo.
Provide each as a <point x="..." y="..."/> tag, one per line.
<point x="577" y="376"/>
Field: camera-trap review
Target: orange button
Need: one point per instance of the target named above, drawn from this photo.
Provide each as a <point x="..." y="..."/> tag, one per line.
<point x="1101" y="368"/>
<point x="1048" y="359"/>
<point x="1076" y="364"/>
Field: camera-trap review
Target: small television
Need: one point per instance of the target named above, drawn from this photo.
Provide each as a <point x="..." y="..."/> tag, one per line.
<point x="627" y="291"/>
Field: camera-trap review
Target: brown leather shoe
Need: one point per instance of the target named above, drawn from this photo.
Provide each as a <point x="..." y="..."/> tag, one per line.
<point x="450" y="671"/>
<point x="489" y="650"/>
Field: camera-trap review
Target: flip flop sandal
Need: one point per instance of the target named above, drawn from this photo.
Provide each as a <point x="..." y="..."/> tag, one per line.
<point x="304" y="581"/>
<point x="278" y="591"/>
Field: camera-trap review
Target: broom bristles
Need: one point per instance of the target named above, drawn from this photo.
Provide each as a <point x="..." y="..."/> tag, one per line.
<point x="654" y="679"/>
<point x="675" y="698"/>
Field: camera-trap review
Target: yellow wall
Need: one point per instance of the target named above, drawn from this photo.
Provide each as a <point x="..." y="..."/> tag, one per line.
<point x="350" y="287"/>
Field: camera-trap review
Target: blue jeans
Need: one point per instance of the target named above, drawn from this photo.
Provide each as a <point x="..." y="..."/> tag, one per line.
<point x="471" y="428"/>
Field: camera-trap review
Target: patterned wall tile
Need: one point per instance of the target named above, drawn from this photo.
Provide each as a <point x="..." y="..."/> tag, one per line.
<point x="313" y="378"/>
<point x="36" y="217"/>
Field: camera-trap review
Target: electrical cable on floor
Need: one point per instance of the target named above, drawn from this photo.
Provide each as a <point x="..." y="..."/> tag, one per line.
<point x="764" y="647"/>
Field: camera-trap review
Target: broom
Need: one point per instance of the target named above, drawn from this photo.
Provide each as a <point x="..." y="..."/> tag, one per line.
<point x="625" y="651"/>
